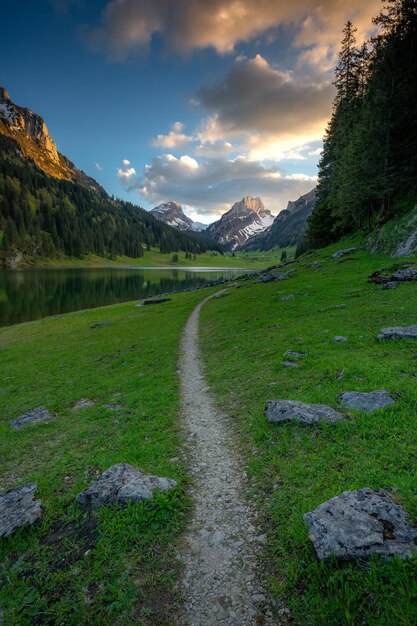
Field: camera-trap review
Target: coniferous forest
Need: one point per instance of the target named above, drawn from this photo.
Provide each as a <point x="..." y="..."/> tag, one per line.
<point x="42" y="216"/>
<point x="368" y="169"/>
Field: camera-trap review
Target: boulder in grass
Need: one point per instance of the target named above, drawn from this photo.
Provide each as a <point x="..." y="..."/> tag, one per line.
<point x="357" y="524"/>
<point x="18" y="507"/>
<point x="294" y="411"/>
<point x="120" y="484"/>
<point x="292" y="354"/>
<point x="341" y="253"/>
<point x="156" y="301"/>
<point x="366" y="400"/>
<point x="340" y="339"/>
<point x="40" y="414"/>
<point x="398" y="332"/>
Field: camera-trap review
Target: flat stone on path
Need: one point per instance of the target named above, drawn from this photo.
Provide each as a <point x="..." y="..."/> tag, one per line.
<point x="295" y="411"/>
<point x="40" y="414"/>
<point x="398" y="332"/>
<point x="366" y="400"/>
<point x="356" y="524"/>
<point x="120" y="484"/>
<point x="18" y="507"/>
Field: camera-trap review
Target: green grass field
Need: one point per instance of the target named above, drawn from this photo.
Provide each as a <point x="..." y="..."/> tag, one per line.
<point x="294" y="468"/>
<point x="117" y="566"/>
<point x="154" y="258"/>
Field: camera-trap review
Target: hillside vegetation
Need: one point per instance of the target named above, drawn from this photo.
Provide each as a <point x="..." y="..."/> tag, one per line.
<point x="368" y="170"/>
<point x="42" y="216"/>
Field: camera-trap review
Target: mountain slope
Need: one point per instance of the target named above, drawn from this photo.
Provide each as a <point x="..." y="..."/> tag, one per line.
<point x="171" y="213"/>
<point x="288" y="228"/>
<point x="243" y="220"/>
<point x="48" y="208"/>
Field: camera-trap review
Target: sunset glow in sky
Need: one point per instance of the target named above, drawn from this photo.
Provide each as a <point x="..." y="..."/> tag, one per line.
<point x="199" y="101"/>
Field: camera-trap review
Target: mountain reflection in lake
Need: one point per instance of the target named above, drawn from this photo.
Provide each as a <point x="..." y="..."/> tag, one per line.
<point x="31" y="294"/>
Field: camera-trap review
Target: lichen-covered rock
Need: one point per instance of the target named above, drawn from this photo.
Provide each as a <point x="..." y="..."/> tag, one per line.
<point x="294" y="411"/>
<point x="356" y="524"/>
<point x="120" y="484"/>
<point x="40" y="414"/>
<point x="18" y="507"/>
<point x="366" y="400"/>
<point x="398" y="332"/>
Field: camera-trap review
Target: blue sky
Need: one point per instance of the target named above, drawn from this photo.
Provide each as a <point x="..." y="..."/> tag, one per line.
<point x="200" y="102"/>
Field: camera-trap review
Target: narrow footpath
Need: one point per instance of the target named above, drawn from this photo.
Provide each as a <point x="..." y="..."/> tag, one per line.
<point x="221" y="544"/>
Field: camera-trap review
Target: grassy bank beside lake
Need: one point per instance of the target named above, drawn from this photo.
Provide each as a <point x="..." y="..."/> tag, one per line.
<point x="154" y="258"/>
<point x="295" y="468"/>
<point x="117" y="566"/>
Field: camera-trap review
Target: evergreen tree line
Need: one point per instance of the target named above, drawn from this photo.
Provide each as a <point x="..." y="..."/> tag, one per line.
<point x="47" y="217"/>
<point x="368" y="169"/>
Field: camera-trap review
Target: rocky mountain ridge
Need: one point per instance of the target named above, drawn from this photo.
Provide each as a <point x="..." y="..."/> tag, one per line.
<point x="171" y="213"/>
<point x="288" y="228"/>
<point x="245" y="219"/>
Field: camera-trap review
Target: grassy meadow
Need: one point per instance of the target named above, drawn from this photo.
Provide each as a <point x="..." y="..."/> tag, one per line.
<point x="293" y="468"/>
<point x="117" y="566"/>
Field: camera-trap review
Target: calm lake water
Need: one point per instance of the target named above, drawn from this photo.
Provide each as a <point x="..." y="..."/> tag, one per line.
<point x="31" y="294"/>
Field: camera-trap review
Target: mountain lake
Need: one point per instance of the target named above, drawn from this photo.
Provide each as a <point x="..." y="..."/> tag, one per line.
<point x="31" y="294"/>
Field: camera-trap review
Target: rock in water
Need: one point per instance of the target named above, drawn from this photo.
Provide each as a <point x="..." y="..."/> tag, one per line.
<point x="398" y="332"/>
<point x="37" y="415"/>
<point x="122" y="483"/>
<point x="366" y="401"/>
<point x="356" y="524"/>
<point x="294" y="411"/>
<point x="18" y="507"/>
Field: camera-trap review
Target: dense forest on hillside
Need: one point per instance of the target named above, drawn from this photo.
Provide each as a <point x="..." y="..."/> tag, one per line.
<point x="368" y="169"/>
<point x="47" y="217"/>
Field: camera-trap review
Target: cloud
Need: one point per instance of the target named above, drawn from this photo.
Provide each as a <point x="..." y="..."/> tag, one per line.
<point x="126" y="172"/>
<point x="98" y="167"/>
<point x="257" y="98"/>
<point x="186" y="25"/>
<point x="211" y="186"/>
<point x="176" y="138"/>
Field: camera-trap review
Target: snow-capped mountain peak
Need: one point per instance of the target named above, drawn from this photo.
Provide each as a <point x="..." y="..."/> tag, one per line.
<point x="171" y="213"/>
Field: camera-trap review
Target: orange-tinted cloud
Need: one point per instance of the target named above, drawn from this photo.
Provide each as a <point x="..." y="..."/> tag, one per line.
<point x="186" y="25"/>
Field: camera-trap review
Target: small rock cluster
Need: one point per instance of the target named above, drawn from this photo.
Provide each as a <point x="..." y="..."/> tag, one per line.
<point x="391" y="278"/>
<point x="120" y="484"/>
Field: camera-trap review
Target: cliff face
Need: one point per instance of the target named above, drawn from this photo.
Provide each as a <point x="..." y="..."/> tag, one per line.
<point x="31" y="134"/>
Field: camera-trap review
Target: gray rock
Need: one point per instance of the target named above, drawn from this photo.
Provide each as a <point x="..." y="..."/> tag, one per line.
<point x="405" y="275"/>
<point x="339" y="339"/>
<point x="356" y="524"/>
<point x="290" y="364"/>
<point x="278" y="276"/>
<point x="113" y="406"/>
<point x="366" y="401"/>
<point x="309" y="414"/>
<point x="18" y="507"/>
<point x="40" y="414"/>
<point x="340" y="253"/>
<point x="398" y="332"/>
<point x="390" y="285"/>
<point x="287" y="298"/>
<point x="100" y="325"/>
<point x="122" y="483"/>
<point x="295" y="355"/>
<point x="83" y="403"/>
<point x="315" y="265"/>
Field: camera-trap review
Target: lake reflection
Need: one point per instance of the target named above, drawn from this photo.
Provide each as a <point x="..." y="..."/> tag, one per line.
<point x="31" y="294"/>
